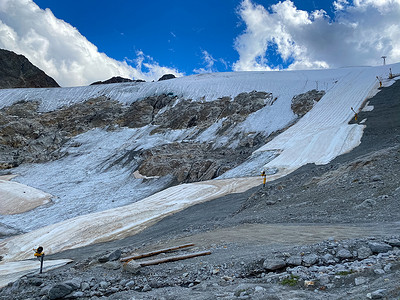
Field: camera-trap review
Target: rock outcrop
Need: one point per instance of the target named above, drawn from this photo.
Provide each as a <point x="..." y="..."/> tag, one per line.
<point x="166" y="77"/>
<point x="29" y="136"/>
<point x="16" y="71"/>
<point x="303" y="103"/>
<point x="116" y="79"/>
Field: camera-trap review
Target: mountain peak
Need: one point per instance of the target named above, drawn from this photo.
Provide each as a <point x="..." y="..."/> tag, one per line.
<point x="16" y="71"/>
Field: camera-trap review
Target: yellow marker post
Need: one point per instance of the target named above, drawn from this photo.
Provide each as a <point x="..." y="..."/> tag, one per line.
<point x="355" y="114"/>
<point x="40" y="255"/>
<point x="380" y="81"/>
<point x="264" y="178"/>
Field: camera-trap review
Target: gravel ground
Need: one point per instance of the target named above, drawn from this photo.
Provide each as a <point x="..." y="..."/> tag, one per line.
<point x="322" y="232"/>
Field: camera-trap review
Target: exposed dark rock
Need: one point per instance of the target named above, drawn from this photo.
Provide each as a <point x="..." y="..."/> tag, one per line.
<point x="26" y="135"/>
<point x="29" y="136"/>
<point x="16" y="71"/>
<point x="116" y="79"/>
<point x="166" y="77"/>
<point x="303" y="103"/>
<point x="60" y="291"/>
<point x="186" y="114"/>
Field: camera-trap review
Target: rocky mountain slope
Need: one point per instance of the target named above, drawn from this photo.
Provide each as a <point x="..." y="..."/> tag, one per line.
<point x="16" y="71"/>
<point x="322" y="232"/>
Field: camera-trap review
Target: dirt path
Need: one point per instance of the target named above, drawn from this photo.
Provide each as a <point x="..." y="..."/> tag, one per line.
<point x="287" y="234"/>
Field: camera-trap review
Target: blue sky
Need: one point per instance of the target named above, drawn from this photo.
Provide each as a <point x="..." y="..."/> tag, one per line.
<point x="79" y="42"/>
<point x="175" y="33"/>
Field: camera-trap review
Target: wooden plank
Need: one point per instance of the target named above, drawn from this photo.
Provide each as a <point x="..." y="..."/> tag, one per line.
<point x="152" y="253"/>
<point x="173" y="258"/>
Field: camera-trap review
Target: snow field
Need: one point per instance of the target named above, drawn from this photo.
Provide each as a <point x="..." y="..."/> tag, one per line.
<point x="16" y="198"/>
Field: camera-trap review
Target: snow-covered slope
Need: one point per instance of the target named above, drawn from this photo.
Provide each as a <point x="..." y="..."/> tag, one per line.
<point x="82" y="181"/>
<point x="206" y="87"/>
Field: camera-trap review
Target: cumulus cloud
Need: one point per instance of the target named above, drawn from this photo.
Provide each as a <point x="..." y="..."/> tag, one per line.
<point x="61" y="51"/>
<point x="359" y="34"/>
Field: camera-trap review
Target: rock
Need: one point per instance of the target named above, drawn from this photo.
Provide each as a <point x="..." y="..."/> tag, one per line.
<point x="324" y="280"/>
<point x="294" y="260"/>
<point x="16" y="71"/>
<point x="116" y="79"/>
<point x="378" y="294"/>
<point x="166" y="77"/>
<point x="259" y="289"/>
<point x="116" y="255"/>
<point x="85" y="286"/>
<point x="329" y="258"/>
<point x="77" y="294"/>
<point x="343" y="254"/>
<point x="45" y="290"/>
<point x="132" y="267"/>
<point x="378" y="247"/>
<point x="360" y="280"/>
<point x="387" y="268"/>
<point x="146" y="288"/>
<point x="309" y="260"/>
<point x="73" y="283"/>
<point x="394" y="242"/>
<point x="379" y="271"/>
<point x="103" y="259"/>
<point x="104" y="284"/>
<point x="363" y="252"/>
<point x="274" y="264"/>
<point x="130" y="284"/>
<point x="35" y="281"/>
<point x="303" y="103"/>
<point x="59" y="291"/>
<point x="369" y="203"/>
<point x="376" y="178"/>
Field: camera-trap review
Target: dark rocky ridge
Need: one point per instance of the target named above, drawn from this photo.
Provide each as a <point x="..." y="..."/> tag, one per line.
<point x="116" y="79"/>
<point x="167" y="77"/>
<point x="16" y="71"/>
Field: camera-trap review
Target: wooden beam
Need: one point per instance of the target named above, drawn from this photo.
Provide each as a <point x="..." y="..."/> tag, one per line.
<point x="152" y="253"/>
<point x="172" y="258"/>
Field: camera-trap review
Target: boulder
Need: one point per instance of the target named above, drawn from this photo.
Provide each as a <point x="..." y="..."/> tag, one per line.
<point x="294" y="260"/>
<point x="116" y="255"/>
<point x="132" y="267"/>
<point x="363" y="252"/>
<point x="60" y="291"/>
<point x="272" y="264"/>
<point x="378" y="247"/>
<point x="309" y="260"/>
<point x="344" y="253"/>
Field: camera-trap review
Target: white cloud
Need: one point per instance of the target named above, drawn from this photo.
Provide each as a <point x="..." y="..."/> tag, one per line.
<point x="209" y="62"/>
<point x="61" y="51"/>
<point x="148" y="69"/>
<point x="361" y="32"/>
